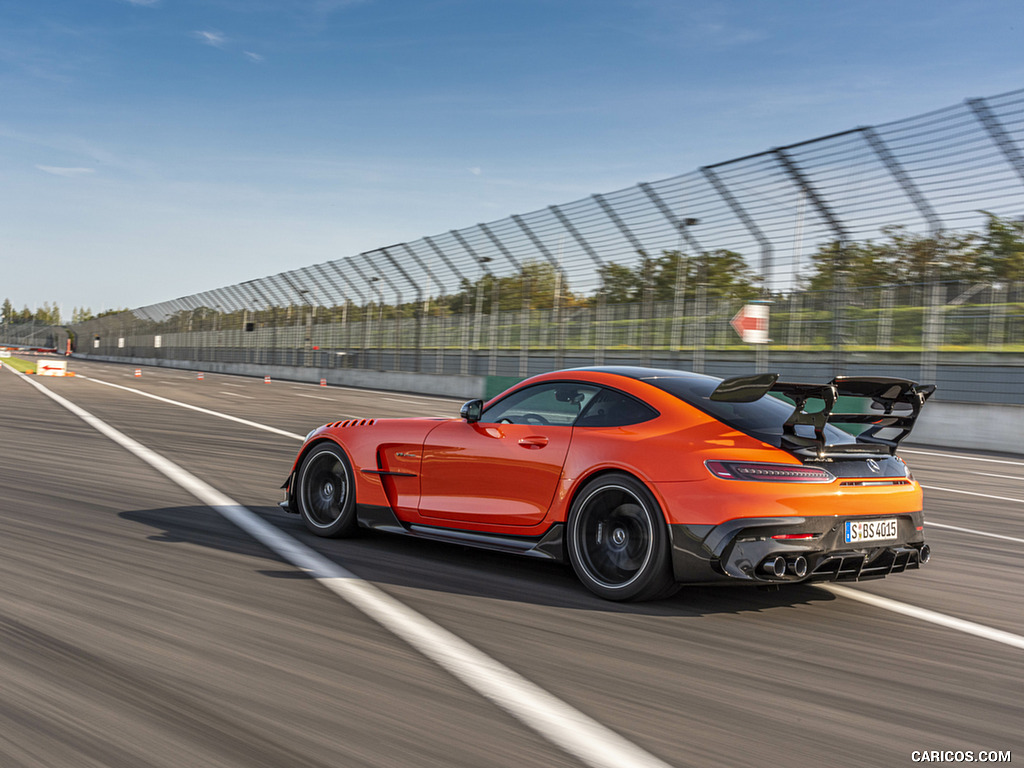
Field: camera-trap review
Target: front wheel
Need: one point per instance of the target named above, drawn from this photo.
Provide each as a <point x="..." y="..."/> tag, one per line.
<point x="325" y="491"/>
<point x="617" y="542"/>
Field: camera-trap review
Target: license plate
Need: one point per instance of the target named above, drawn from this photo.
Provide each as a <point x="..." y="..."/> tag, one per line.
<point x="871" y="530"/>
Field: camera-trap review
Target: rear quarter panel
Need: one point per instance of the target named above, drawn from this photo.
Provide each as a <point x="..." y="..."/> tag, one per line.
<point x="668" y="455"/>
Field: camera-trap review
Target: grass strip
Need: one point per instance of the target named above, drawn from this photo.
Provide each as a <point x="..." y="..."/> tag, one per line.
<point x="25" y="366"/>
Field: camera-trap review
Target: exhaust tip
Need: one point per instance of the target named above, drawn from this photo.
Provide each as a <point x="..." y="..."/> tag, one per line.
<point x="924" y="554"/>
<point x="774" y="565"/>
<point x="798" y="566"/>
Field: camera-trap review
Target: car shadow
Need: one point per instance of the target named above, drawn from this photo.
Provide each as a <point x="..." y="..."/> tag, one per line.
<point x="417" y="564"/>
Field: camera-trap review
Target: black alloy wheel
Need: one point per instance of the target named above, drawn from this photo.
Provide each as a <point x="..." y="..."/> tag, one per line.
<point x="617" y="540"/>
<point x="326" y="492"/>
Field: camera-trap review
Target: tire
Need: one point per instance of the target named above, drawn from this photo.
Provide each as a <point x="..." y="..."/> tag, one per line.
<point x="617" y="540"/>
<point x="325" y="492"/>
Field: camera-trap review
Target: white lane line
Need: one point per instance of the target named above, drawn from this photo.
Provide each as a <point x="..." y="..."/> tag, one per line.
<point x="992" y="474"/>
<point x="218" y="414"/>
<point x="930" y="524"/>
<point x="973" y="493"/>
<point x="230" y="384"/>
<point x="932" y="617"/>
<point x="961" y="456"/>
<point x="562" y="725"/>
<point x="237" y="394"/>
<point x="317" y="397"/>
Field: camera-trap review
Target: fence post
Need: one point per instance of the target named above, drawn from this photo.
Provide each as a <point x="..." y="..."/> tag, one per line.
<point x="397" y="315"/>
<point x="346" y="362"/>
<point x="998" y="134"/>
<point x="464" y="368"/>
<point x="417" y="312"/>
<point x="560" y="354"/>
<point x="483" y="261"/>
<point x="371" y="282"/>
<point x="646" y="297"/>
<point x="286" y="303"/>
<point x="303" y="293"/>
<point x="761" y="352"/>
<point x="839" y="263"/>
<point x="525" y="289"/>
<point x="932" y="338"/>
<point x="364" y="322"/>
<point x="682" y="226"/>
<point x="439" y="364"/>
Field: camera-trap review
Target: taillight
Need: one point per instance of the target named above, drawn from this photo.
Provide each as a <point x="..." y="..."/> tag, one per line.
<point x="773" y="473"/>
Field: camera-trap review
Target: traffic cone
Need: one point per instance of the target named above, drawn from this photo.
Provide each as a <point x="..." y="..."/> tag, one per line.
<point x="199" y="376"/>
<point x="266" y="379"/>
<point x="323" y="382"/>
<point x="138" y="373"/>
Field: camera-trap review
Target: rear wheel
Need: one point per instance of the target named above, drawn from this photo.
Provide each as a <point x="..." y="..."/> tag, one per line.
<point x="617" y="542"/>
<point x="326" y="492"/>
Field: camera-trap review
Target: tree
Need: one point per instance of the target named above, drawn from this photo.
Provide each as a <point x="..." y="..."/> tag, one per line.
<point x="1002" y="249"/>
<point x="905" y="258"/>
<point x="48" y="314"/>
<point x="723" y="273"/>
<point x="619" y="284"/>
<point x="537" y="281"/>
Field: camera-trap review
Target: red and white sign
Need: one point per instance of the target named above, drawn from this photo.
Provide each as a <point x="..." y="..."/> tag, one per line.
<point x="751" y="323"/>
<point x="52" y="368"/>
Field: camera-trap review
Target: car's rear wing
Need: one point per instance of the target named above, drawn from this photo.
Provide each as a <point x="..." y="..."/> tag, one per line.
<point x="899" y="400"/>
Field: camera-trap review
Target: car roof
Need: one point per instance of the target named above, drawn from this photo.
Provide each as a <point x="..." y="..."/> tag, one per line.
<point x="687" y="386"/>
<point x="646" y="374"/>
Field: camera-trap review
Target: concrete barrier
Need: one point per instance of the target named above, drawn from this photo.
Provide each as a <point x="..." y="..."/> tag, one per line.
<point x="976" y="426"/>
<point x="466" y="387"/>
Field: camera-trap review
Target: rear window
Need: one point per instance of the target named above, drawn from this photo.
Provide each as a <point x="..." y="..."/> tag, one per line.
<point x="762" y="418"/>
<point x="611" y="408"/>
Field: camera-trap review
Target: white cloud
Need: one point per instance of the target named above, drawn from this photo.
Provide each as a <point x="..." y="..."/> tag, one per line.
<point x="57" y="170"/>
<point x="476" y="170"/>
<point x="253" y="57"/>
<point x="210" y="37"/>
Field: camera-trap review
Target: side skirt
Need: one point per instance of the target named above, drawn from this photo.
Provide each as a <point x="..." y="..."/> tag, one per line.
<point x="547" y="547"/>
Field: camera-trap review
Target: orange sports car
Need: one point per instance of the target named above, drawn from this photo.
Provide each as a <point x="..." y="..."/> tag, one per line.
<point x="642" y="479"/>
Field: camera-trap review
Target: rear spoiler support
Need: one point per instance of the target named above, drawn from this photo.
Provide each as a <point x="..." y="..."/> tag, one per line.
<point x="899" y="400"/>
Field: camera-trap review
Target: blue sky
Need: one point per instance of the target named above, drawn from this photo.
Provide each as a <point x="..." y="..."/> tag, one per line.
<point x="151" y="149"/>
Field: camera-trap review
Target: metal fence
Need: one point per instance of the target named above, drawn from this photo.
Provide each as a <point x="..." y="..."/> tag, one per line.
<point x="33" y="334"/>
<point x="654" y="273"/>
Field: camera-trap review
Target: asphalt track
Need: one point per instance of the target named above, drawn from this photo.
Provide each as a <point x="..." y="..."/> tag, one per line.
<point x="138" y="627"/>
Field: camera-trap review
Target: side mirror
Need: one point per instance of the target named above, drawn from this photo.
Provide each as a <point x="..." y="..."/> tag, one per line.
<point x="471" y="410"/>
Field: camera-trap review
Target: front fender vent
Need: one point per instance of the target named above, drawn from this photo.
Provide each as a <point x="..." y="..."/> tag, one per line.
<point x="354" y="423"/>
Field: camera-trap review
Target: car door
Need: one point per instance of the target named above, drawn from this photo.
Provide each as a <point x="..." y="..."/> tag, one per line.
<point x="505" y="468"/>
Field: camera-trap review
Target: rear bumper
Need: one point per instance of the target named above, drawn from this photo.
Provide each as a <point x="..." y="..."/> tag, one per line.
<point x="743" y="550"/>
